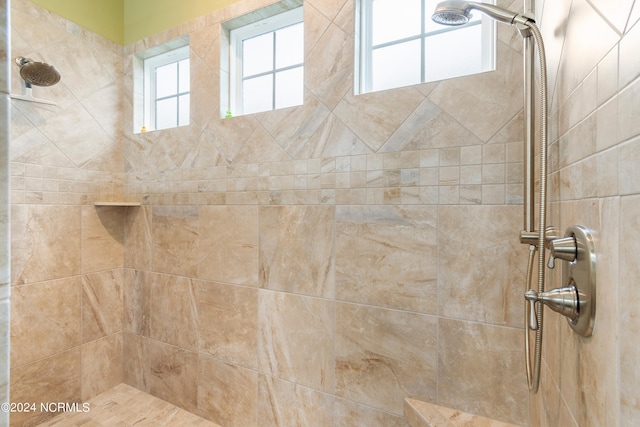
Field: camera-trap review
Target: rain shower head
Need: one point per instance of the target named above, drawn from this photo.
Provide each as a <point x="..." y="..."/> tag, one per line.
<point x="37" y="73"/>
<point x="456" y="12"/>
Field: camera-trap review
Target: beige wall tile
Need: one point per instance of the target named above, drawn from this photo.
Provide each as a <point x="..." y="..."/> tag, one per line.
<point x="230" y="135"/>
<point x="628" y="157"/>
<point x="295" y="339"/>
<point x="228" y="322"/>
<point x="381" y="356"/>
<point x="297" y="250"/>
<point x="229" y="247"/>
<point x="138" y="232"/>
<point x="173" y="374"/>
<point x="470" y="239"/>
<point x="348" y="413"/>
<point x="45" y="319"/>
<point x="386" y="256"/>
<point x="102" y="304"/>
<point x="629" y="68"/>
<point x="53" y="379"/>
<point x="102" y="238"/>
<point x="375" y="116"/>
<point x="173" y="310"/>
<point x="428" y="127"/>
<point x="37" y="234"/>
<point x="137" y="302"/>
<point x="480" y="103"/>
<point x="175" y="240"/>
<point x="328" y="67"/>
<point x="282" y="403"/>
<point x="476" y="357"/>
<point x="135" y="369"/>
<point x="331" y="139"/>
<point x="102" y="365"/>
<point x="293" y="127"/>
<point x="226" y="393"/>
<point x="629" y="298"/>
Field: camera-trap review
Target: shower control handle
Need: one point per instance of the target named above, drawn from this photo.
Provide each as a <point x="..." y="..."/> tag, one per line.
<point x="533" y="318"/>
<point x="564" y="248"/>
<point x="561" y="300"/>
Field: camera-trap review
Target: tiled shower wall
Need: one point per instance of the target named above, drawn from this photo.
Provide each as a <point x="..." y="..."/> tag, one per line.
<point x="592" y="49"/>
<point x="67" y="255"/>
<point x="317" y="264"/>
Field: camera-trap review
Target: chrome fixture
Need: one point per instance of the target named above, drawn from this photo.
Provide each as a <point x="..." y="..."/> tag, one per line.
<point x="455" y="12"/>
<point x="575" y="300"/>
<point x="35" y="74"/>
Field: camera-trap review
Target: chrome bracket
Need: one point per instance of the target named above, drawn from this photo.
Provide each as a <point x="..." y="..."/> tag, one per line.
<point x="531" y="237"/>
<point x="525" y="30"/>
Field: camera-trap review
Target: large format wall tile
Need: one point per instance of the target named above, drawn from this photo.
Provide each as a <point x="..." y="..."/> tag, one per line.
<point x="386" y="256"/>
<point x="384" y="355"/>
<point x="175" y="240"/>
<point x="102" y="304"/>
<point x="481" y="264"/>
<point x="227" y="394"/>
<point x="138" y="232"/>
<point x="349" y="413"/>
<point x="374" y="117"/>
<point x="229" y="244"/>
<point x="476" y="357"/>
<point x="483" y="103"/>
<point x="101" y="365"/>
<point x="54" y="379"/>
<point x="45" y="319"/>
<point x="629" y="299"/>
<point x="328" y="72"/>
<point x="228" y="322"/>
<point x="102" y="238"/>
<point x="282" y="403"/>
<point x="137" y="302"/>
<point x="173" y="311"/>
<point x="45" y="242"/>
<point x="172" y="374"/>
<point x="295" y="339"/>
<point x="297" y="249"/>
<point x="135" y="370"/>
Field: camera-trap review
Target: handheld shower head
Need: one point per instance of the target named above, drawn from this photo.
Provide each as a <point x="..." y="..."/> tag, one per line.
<point x="37" y="73"/>
<point x="457" y="12"/>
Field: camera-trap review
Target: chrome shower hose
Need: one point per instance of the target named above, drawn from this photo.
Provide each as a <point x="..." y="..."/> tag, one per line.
<point x="533" y="380"/>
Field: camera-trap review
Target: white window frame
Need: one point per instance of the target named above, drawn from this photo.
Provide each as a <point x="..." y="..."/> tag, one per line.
<point x="150" y="66"/>
<point x="236" y="38"/>
<point x="364" y="48"/>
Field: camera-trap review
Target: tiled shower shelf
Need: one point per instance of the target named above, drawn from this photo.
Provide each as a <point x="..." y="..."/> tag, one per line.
<point x="116" y="203"/>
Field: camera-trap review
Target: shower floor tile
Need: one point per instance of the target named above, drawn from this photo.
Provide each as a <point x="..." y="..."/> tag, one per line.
<point x="123" y="406"/>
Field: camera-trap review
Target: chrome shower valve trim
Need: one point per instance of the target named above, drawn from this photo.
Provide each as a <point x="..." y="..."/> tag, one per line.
<point x="576" y="300"/>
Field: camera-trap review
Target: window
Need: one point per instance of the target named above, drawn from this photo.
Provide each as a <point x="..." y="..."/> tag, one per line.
<point x="167" y="89"/>
<point x="265" y="61"/>
<point x="399" y="45"/>
<point x="162" y="86"/>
